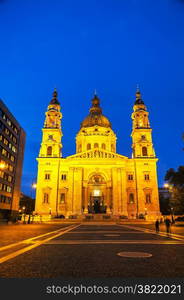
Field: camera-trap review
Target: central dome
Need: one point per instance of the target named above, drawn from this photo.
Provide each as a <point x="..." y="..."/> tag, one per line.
<point x="95" y="116"/>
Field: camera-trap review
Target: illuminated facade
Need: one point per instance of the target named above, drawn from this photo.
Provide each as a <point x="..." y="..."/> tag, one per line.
<point x="97" y="179"/>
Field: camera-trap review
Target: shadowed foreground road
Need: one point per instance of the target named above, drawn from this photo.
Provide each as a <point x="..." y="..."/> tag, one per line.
<point x="86" y="251"/>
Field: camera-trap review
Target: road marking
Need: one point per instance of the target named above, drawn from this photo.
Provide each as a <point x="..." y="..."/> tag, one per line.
<point x="112" y="234"/>
<point x="31" y="239"/>
<point x="134" y="254"/>
<point x="105" y="231"/>
<point x="86" y="242"/>
<point x="38" y="243"/>
<point x="146" y="230"/>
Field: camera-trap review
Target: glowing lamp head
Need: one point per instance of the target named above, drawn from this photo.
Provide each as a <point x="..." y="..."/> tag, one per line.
<point x="2" y="165"/>
<point x="166" y="185"/>
<point x="96" y="193"/>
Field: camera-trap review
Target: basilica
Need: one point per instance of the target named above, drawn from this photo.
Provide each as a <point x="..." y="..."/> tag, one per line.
<point x="97" y="180"/>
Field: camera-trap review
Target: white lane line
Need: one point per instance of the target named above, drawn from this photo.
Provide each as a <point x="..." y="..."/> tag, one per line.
<point x="146" y="230"/>
<point x="38" y="243"/>
<point x="86" y="242"/>
<point x="105" y="231"/>
<point x="27" y="241"/>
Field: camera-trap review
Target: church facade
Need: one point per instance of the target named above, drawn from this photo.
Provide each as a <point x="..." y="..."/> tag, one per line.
<point x="97" y="180"/>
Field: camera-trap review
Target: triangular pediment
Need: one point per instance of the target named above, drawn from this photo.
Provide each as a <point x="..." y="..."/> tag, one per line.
<point x="96" y="154"/>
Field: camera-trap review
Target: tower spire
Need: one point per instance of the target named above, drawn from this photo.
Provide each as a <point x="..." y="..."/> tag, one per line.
<point x="54" y="99"/>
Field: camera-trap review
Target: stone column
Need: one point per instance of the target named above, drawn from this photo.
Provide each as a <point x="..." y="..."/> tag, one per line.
<point x="85" y="200"/>
<point x="124" y="192"/>
<point x="108" y="211"/>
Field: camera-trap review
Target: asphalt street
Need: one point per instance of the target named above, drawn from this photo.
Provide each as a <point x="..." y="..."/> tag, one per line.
<point x="89" y="251"/>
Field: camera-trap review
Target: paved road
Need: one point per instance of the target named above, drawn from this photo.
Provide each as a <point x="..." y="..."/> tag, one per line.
<point x="89" y="251"/>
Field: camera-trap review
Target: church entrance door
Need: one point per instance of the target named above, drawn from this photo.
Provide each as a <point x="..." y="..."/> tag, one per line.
<point x="97" y="206"/>
<point x="96" y="188"/>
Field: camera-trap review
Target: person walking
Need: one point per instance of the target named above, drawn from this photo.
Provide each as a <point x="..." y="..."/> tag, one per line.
<point x="157" y="226"/>
<point x="168" y="225"/>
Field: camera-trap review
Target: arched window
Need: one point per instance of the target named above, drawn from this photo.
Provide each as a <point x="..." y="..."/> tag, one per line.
<point x="96" y="145"/>
<point x="131" y="198"/>
<point x="49" y="151"/>
<point x="112" y="148"/>
<point x="144" y="151"/>
<point x="103" y="146"/>
<point x="45" y="198"/>
<point x="148" y="198"/>
<point x="79" y="148"/>
<point x="88" y="146"/>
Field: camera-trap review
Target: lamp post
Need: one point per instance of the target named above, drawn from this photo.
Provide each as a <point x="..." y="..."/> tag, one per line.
<point x="23" y="209"/>
<point x="172" y="215"/>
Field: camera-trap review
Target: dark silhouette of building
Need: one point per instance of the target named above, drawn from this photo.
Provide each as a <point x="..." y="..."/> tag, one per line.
<point x="12" y="141"/>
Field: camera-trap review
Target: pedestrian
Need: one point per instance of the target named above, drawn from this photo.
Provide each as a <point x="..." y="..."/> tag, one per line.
<point x="168" y="225"/>
<point x="157" y="225"/>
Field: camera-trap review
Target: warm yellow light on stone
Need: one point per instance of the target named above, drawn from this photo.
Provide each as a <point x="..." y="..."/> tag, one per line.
<point x="125" y="186"/>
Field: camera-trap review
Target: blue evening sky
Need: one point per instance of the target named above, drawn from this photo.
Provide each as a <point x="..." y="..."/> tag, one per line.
<point x="82" y="45"/>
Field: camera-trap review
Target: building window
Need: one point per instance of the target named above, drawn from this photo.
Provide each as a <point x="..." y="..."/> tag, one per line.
<point x="9" y="178"/>
<point x="131" y="198"/>
<point x="12" y="158"/>
<point x="112" y="148"/>
<point x="146" y="177"/>
<point x="148" y="198"/>
<point x="130" y="177"/>
<point x="103" y="146"/>
<point x="62" y="198"/>
<point x="49" y="151"/>
<point x="88" y="146"/>
<point x="4" y="152"/>
<point x="5" y="141"/>
<point x="47" y="176"/>
<point x="14" y="149"/>
<point x="10" y="168"/>
<point x="144" y="151"/>
<point x="8" y="122"/>
<point x="79" y="148"/>
<point x="14" y="140"/>
<point x="9" y="189"/>
<point x="45" y="198"/>
<point x="96" y="145"/>
<point x="15" y="129"/>
<point x="63" y="177"/>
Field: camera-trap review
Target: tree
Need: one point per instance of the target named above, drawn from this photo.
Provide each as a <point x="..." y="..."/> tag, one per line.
<point x="175" y="180"/>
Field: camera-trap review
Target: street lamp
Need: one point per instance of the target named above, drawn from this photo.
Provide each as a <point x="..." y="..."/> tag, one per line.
<point x="166" y="185"/>
<point x="172" y="215"/>
<point x="34" y="185"/>
<point x="2" y="165"/>
<point x="23" y="209"/>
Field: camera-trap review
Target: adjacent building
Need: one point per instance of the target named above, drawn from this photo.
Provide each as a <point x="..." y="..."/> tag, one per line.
<point x="12" y="141"/>
<point x="97" y="179"/>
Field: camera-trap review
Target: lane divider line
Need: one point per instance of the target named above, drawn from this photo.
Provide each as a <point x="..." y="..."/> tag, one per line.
<point x="31" y="239"/>
<point x="86" y="242"/>
<point x="37" y="244"/>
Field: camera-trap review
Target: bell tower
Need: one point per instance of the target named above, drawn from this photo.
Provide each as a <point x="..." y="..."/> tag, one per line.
<point x="141" y="131"/>
<point x="51" y="145"/>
